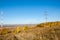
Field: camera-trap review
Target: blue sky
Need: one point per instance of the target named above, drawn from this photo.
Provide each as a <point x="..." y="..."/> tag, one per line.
<point x="29" y="11"/>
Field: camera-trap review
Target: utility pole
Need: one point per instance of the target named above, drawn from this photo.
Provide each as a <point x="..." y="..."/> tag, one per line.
<point x="1" y="18"/>
<point x="46" y="16"/>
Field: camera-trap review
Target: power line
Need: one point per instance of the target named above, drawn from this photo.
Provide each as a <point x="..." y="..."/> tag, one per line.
<point x="1" y="18"/>
<point x="46" y="16"/>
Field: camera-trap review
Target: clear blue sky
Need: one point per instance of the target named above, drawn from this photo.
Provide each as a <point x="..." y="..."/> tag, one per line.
<point x="29" y="11"/>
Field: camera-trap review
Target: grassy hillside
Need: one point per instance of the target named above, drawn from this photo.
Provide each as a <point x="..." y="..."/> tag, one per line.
<point x="49" y="24"/>
<point x="39" y="32"/>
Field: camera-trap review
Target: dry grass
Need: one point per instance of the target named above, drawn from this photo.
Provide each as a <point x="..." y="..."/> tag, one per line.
<point x="34" y="33"/>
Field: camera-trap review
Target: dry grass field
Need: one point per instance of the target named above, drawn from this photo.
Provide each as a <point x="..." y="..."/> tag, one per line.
<point x="43" y="31"/>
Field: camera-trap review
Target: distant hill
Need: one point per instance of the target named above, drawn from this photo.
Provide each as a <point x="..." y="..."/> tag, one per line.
<point x="21" y="25"/>
<point x="49" y="24"/>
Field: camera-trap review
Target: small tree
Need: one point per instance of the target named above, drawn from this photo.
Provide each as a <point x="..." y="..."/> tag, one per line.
<point x="25" y="28"/>
<point x="16" y="30"/>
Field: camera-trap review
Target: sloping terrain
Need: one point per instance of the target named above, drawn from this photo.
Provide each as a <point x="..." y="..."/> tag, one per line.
<point x="40" y="34"/>
<point x="35" y="33"/>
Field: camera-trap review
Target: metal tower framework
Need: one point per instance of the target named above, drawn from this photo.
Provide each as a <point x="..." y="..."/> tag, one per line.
<point x="1" y="18"/>
<point x="46" y="16"/>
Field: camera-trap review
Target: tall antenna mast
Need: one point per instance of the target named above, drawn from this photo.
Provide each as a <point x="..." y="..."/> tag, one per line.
<point x="1" y="18"/>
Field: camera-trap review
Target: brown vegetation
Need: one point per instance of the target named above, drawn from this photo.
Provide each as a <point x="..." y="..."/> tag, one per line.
<point x="49" y="24"/>
<point x="43" y="31"/>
